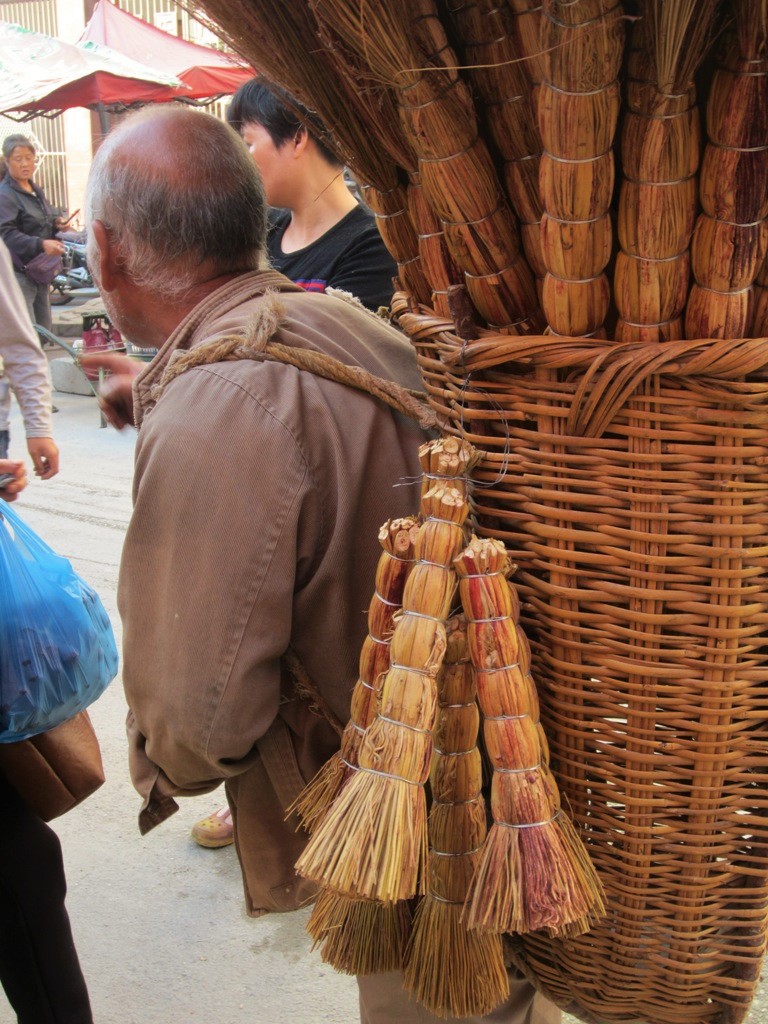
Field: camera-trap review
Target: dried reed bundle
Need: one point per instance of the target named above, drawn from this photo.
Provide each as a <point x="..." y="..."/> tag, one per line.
<point x="449" y="969"/>
<point x="383" y="855"/>
<point x="440" y="268"/>
<point x="526" y="29"/>
<point x="396" y="537"/>
<point x="409" y="52"/>
<point x="578" y="109"/>
<point x="660" y="155"/>
<point x="730" y="240"/>
<point x="760" y="318"/>
<point x="360" y="936"/>
<point x="395" y="224"/>
<point x="498" y="76"/>
<point x="534" y="871"/>
<point x="448" y="460"/>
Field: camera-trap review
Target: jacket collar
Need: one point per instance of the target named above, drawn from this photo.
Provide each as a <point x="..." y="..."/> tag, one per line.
<point x="196" y="325"/>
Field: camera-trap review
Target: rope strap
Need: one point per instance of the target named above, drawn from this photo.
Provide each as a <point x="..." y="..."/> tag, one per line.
<point x="254" y="343"/>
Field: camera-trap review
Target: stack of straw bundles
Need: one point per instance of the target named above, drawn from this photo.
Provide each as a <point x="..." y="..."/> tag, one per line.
<point x="526" y="29"/>
<point x="660" y="149"/>
<point x="494" y="67"/>
<point x="441" y="269"/>
<point x="731" y="236"/>
<point x="450" y="969"/>
<point x="578" y="111"/>
<point x="383" y="856"/>
<point x="534" y="872"/>
<point x="407" y="49"/>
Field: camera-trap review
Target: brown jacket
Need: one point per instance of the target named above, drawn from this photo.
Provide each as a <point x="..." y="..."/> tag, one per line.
<point x="258" y="495"/>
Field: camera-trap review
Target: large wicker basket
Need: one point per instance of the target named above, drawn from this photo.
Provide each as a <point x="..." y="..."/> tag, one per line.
<point x="631" y="484"/>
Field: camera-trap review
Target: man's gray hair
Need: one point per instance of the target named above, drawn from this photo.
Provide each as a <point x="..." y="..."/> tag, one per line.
<point x="195" y="199"/>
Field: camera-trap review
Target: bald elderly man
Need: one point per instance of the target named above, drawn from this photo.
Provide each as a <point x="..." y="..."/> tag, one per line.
<point x="259" y="491"/>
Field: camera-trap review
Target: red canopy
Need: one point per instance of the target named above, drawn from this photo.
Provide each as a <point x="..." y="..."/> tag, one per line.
<point x="206" y="72"/>
<point x="42" y="74"/>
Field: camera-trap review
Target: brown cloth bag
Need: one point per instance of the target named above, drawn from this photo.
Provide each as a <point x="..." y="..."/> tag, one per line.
<point x="55" y="771"/>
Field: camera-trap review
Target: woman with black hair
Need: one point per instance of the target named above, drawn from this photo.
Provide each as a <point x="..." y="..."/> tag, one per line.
<point x="320" y="235"/>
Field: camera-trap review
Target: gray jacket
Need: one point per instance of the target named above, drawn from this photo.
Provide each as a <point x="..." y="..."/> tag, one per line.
<point x="24" y="365"/>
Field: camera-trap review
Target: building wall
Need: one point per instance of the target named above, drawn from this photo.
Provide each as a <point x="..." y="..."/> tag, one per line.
<point x="48" y="134"/>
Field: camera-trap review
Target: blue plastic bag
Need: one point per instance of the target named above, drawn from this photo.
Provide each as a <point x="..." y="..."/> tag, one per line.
<point x="57" y="648"/>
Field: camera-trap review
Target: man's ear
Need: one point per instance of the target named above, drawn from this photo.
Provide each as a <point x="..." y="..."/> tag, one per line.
<point x="108" y="268"/>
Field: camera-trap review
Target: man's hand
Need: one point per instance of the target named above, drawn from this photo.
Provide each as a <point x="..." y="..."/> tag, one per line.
<point x="19" y="482"/>
<point x="44" y="453"/>
<point x="116" y="392"/>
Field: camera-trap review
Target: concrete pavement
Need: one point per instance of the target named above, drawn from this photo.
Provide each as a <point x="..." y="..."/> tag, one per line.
<point x="158" y="921"/>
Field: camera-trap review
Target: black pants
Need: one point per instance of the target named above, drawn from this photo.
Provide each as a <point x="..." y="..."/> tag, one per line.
<point x="39" y="969"/>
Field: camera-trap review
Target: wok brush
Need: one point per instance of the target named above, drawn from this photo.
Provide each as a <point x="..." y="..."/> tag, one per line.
<point x="533" y="872"/>
<point x="360" y="936"/>
<point x="372" y="843"/>
<point x="396" y="537"/>
<point x="496" y="69"/>
<point x="450" y="969"/>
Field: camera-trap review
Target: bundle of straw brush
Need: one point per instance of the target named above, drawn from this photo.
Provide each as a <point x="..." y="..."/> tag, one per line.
<point x="368" y="850"/>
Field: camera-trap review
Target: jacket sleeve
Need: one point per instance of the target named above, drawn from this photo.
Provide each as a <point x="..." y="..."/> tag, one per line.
<point x="26" y="366"/>
<point x="206" y="584"/>
<point x="23" y="246"/>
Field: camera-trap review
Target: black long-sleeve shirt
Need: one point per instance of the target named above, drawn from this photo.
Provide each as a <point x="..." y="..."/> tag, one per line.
<point x="26" y="218"/>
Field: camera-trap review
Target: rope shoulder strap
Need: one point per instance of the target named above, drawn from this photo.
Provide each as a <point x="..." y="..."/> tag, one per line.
<point x="255" y="342"/>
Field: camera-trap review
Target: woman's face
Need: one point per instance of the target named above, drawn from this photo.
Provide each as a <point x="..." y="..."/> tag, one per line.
<point x="273" y="162"/>
<point x="21" y="163"/>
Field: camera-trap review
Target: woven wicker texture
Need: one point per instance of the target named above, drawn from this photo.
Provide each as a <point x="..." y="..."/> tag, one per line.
<point x="630" y="484"/>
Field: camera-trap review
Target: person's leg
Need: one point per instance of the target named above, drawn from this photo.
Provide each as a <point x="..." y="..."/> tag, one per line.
<point x="41" y="307"/>
<point x="39" y="967"/>
<point x="383" y="999"/>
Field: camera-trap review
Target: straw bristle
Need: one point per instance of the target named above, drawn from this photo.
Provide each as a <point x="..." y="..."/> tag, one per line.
<point x="454" y="972"/>
<point x="526" y="877"/>
<point x="314" y="800"/>
<point x="373" y="841"/>
<point x="360" y="936"/>
<point x="727" y="252"/>
<point x="678" y="34"/>
<point x="397" y="538"/>
<point x="579" y="99"/>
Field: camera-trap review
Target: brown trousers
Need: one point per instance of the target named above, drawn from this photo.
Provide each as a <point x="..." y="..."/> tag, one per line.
<point x="383" y="1001"/>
